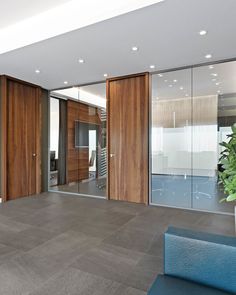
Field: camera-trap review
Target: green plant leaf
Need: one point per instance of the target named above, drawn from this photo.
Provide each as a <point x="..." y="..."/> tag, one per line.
<point x="225" y="144"/>
<point x="234" y="128"/>
<point x="224" y="161"/>
<point x="222" y="200"/>
<point x="231" y="198"/>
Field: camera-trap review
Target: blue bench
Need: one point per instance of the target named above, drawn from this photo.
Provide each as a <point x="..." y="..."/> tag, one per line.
<point x="196" y="264"/>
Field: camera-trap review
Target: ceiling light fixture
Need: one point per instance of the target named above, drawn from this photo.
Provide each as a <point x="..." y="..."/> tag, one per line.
<point x="166" y="81"/>
<point x="105" y="75"/>
<point x="202" y="32"/>
<point x="181" y="88"/>
<point x="214" y="74"/>
<point x="135" y="48"/>
<point x="217" y="83"/>
<point x="160" y="75"/>
<point x="186" y="94"/>
<point x="65" y="82"/>
<point x="152" y="66"/>
<point x="170" y="85"/>
<point x="208" y="56"/>
<point x="37" y="71"/>
<point x="211" y="67"/>
<point x="81" y="61"/>
<point x="175" y="81"/>
<point x="213" y="80"/>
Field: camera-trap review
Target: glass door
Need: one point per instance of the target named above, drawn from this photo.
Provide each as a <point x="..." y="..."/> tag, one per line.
<point x="78" y="160"/>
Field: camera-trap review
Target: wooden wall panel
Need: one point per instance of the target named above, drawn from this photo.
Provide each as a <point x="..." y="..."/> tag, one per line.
<point x="128" y="140"/>
<point x="21" y="110"/>
<point x="78" y="158"/>
<point x="180" y="112"/>
<point x="3" y="140"/>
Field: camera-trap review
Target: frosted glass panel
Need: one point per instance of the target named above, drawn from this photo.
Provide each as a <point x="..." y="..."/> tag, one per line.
<point x="171" y="139"/>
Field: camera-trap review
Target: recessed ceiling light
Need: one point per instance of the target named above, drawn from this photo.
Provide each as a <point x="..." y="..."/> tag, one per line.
<point x="208" y="56"/>
<point x="152" y="66"/>
<point x="160" y="75"/>
<point x="202" y="32"/>
<point x="181" y="87"/>
<point x="65" y="82"/>
<point x="170" y="85"/>
<point x="37" y="71"/>
<point x="213" y="80"/>
<point x="218" y="91"/>
<point x="81" y="61"/>
<point x="214" y="74"/>
<point x="186" y="94"/>
<point x="105" y="75"/>
<point x="217" y="83"/>
<point x="166" y="81"/>
<point x="175" y="81"/>
<point x="135" y="48"/>
<point x="211" y="67"/>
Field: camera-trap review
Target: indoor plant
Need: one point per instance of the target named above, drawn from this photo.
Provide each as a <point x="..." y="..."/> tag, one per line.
<point x="227" y="175"/>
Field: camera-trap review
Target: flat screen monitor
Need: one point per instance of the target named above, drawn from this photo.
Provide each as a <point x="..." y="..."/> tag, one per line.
<point x="81" y="134"/>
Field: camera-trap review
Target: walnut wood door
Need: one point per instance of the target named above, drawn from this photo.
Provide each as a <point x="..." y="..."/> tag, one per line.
<point x="128" y="104"/>
<point x="23" y="139"/>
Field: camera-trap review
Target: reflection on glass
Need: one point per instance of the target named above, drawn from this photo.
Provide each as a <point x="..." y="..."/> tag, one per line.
<point x="171" y="139"/>
<point x="78" y="141"/>
<point x="186" y="132"/>
<point x="214" y="111"/>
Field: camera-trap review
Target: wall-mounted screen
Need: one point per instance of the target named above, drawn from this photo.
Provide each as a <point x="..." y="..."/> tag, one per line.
<point x="81" y="134"/>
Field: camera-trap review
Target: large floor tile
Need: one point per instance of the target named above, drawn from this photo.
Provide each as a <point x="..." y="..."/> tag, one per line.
<point x="76" y="282"/>
<point x="109" y="261"/>
<point x="7" y="253"/>
<point x="133" y="239"/>
<point x="27" y="239"/>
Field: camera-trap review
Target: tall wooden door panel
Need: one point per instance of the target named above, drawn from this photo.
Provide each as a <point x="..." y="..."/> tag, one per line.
<point x="128" y="103"/>
<point x="22" y="139"/>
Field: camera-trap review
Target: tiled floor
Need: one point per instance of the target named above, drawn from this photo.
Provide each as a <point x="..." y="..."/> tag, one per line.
<point x="67" y="245"/>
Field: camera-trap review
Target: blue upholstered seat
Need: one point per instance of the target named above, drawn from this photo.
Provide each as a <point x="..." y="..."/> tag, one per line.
<point x="195" y="261"/>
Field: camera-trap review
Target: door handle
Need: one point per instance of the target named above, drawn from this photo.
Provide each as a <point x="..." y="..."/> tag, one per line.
<point x="112" y="155"/>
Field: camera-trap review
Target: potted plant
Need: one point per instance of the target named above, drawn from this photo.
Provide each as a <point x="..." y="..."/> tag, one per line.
<point x="227" y="175"/>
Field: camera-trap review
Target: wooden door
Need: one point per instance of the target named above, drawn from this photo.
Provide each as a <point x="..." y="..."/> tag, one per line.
<point x="128" y="104"/>
<point x="23" y="137"/>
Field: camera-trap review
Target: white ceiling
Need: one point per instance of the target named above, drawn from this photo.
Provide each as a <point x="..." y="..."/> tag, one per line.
<point x="166" y="34"/>
<point x="63" y="18"/>
<point x="13" y="11"/>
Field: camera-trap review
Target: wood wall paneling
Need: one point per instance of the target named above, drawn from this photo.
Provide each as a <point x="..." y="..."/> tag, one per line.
<point x="22" y="139"/>
<point x="78" y="158"/>
<point x="180" y="112"/>
<point x="3" y="147"/>
<point x="128" y="140"/>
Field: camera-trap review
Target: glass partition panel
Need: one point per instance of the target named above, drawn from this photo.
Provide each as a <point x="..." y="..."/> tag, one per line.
<point x="78" y="140"/>
<point x="214" y="112"/>
<point x="171" y="139"/>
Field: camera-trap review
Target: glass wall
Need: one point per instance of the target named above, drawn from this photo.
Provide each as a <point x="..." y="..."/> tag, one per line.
<point x="78" y="140"/>
<point x="192" y="112"/>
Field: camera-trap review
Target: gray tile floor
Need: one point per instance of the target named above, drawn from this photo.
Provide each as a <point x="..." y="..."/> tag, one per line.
<point x="69" y="245"/>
